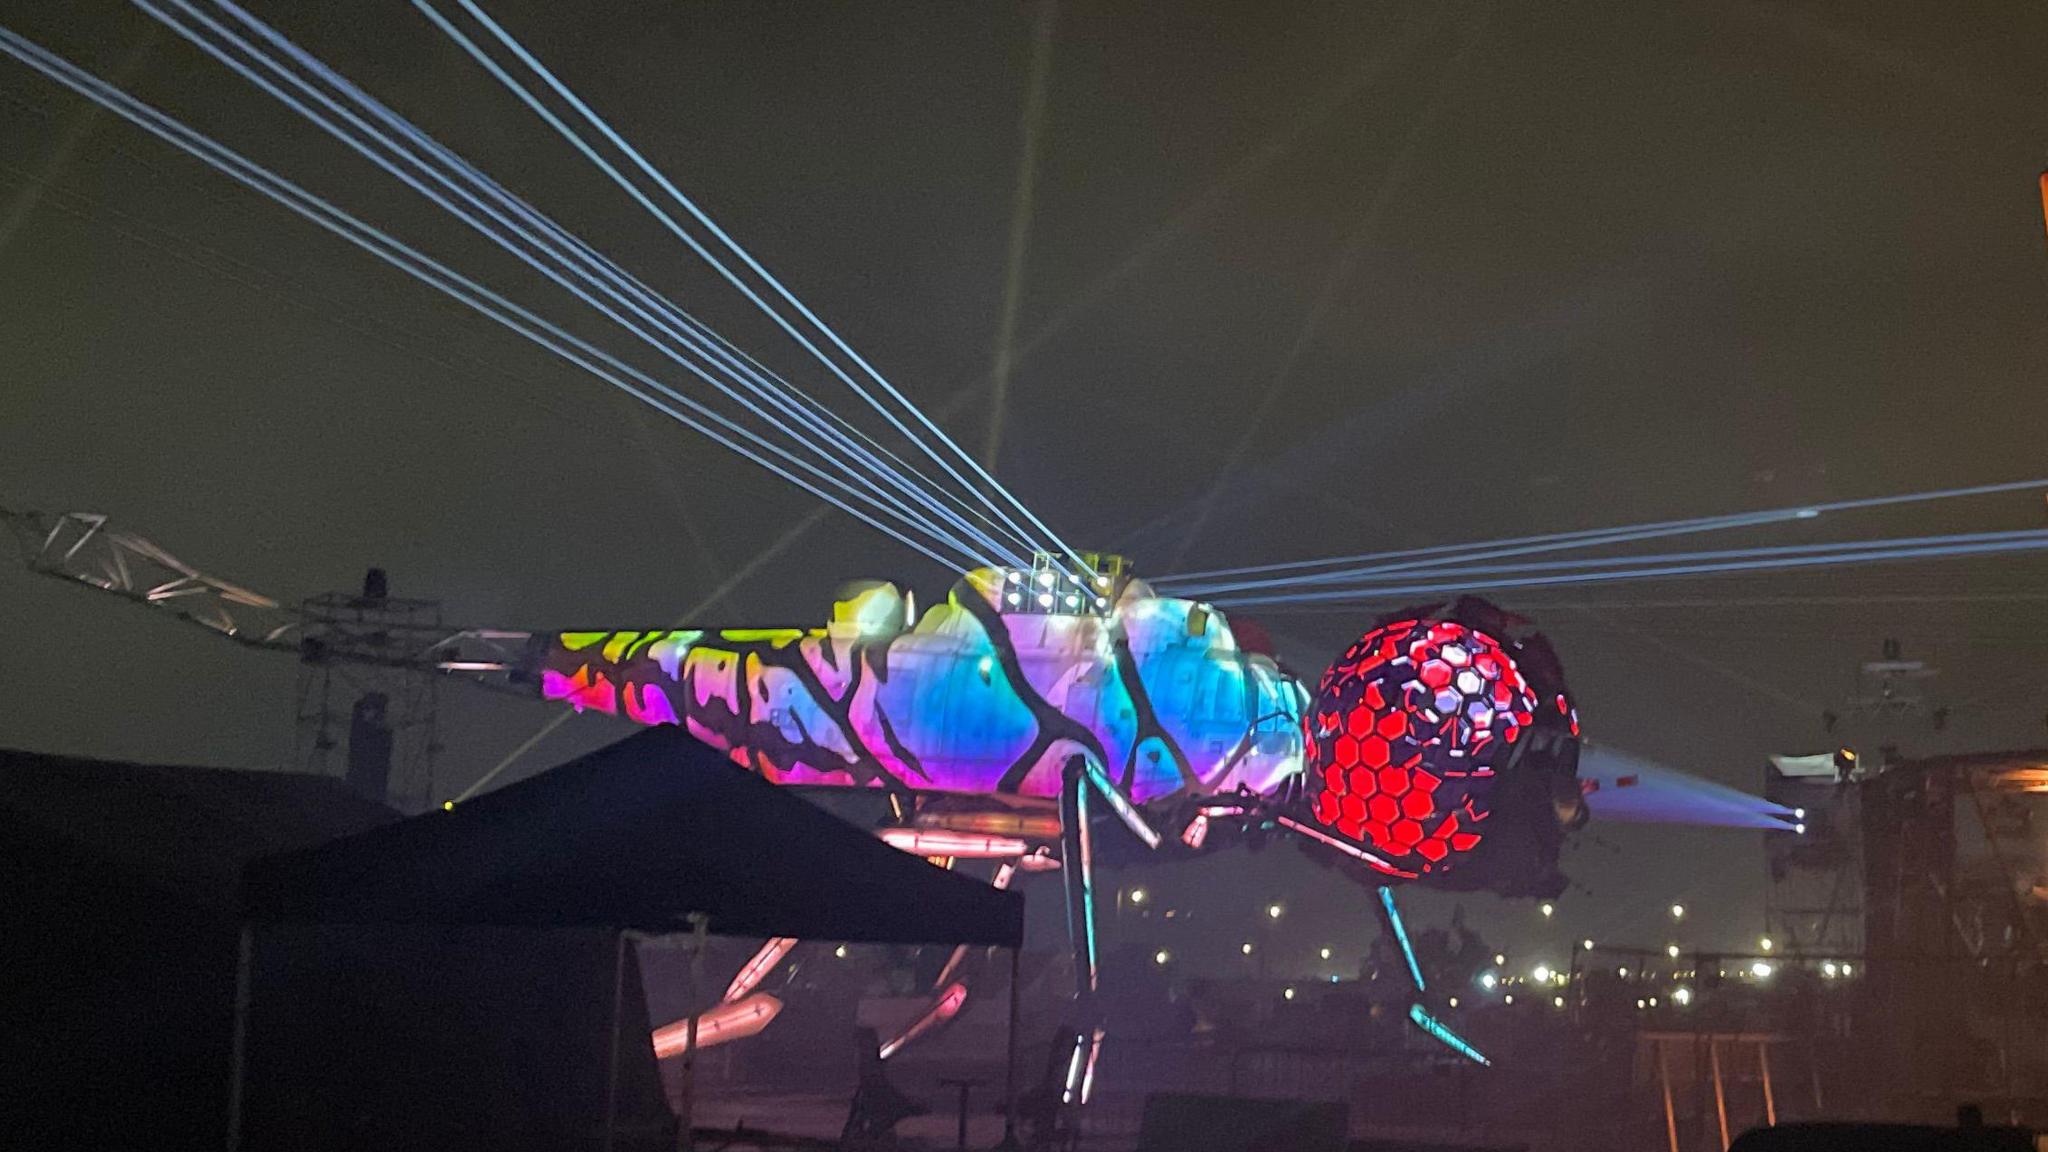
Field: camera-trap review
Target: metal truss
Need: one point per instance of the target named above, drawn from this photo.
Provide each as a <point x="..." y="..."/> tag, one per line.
<point x="85" y="548"/>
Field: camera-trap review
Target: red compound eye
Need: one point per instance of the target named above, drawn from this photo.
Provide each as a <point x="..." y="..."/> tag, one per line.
<point x="1416" y="718"/>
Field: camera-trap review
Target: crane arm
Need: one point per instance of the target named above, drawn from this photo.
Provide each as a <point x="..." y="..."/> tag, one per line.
<point x="85" y="548"/>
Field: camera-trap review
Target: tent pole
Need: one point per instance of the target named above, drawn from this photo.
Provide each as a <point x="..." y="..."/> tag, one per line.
<point x="611" y="1060"/>
<point x="686" y="1133"/>
<point x="238" y="1042"/>
<point x="1010" y="1057"/>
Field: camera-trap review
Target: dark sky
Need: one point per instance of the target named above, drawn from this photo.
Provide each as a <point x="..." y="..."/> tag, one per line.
<point x="1511" y="268"/>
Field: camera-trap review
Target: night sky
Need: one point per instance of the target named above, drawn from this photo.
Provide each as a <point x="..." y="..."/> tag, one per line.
<point x="1300" y="280"/>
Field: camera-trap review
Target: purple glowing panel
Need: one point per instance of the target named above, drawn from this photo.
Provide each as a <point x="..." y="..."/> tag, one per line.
<point x="965" y="699"/>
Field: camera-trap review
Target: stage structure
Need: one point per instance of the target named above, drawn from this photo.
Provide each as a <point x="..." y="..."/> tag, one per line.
<point x="374" y="722"/>
<point x="1956" y="898"/>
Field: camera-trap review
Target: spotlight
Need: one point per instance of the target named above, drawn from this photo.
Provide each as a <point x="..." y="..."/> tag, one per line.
<point x="1161" y="957"/>
<point x="1761" y="969"/>
<point x="1622" y="972"/>
<point x="1137" y="895"/>
<point x="1045" y="599"/>
<point x="1073" y="601"/>
<point x="1799" y="829"/>
<point x="840" y="951"/>
<point x="1542" y="973"/>
<point x="1799" y="813"/>
<point x="1325" y="953"/>
<point x="1488" y="981"/>
<point x="1830" y="969"/>
<point x="1013" y="576"/>
<point x="1549" y="909"/>
<point x="1681" y="996"/>
<point x="1586" y="944"/>
<point x="1678" y="911"/>
<point x="1045" y="579"/>
<point x="1013" y="599"/>
<point x="1764" y="943"/>
<point x="1671" y="950"/>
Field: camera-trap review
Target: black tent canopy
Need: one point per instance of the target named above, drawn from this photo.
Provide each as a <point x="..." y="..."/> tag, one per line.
<point x="640" y="835"/>
<point x="657" y="833"/>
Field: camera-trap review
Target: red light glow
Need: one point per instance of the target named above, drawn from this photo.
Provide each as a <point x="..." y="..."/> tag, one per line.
<point x="1404" y="737"/>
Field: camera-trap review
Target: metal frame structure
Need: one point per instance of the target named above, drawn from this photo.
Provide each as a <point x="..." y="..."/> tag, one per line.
<point x="347" y="645"/>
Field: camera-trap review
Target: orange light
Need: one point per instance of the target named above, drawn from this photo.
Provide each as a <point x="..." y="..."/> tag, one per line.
<point x="1028" y="825"/>
<point x="763" y="963"/>
<point x="941" y="842"/>
<point x="2044" y="197"/>
<point x="948" y="1007"/>
<point x="720" y="1025"/>
<point x="1039" y="861"/>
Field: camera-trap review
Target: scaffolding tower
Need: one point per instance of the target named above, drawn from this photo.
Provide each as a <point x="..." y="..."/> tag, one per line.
<point x="368" y="701"/>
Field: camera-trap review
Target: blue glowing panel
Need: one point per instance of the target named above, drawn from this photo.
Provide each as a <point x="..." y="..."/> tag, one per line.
<point x="968" y="698"/>
<point x="1401" y="935"/>
<point x="1442" y="1033"/>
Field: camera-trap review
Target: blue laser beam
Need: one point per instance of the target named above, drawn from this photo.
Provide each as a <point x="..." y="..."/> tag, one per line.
<point x="2033" y="543"/>
<point x="705" y="338"/>
<point x="467" y="291"/>
<point x="902" y="511"/>
<point x="1448" y="571"/>
<point x="618" y="141"/>
<point x="1594" y="537"/>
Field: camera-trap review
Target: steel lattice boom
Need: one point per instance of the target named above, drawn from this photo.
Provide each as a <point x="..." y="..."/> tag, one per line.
<point x="84" y="548"/>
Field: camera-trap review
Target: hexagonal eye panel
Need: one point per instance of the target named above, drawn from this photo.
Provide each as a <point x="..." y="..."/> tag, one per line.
<point x="1405" y="735"/>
